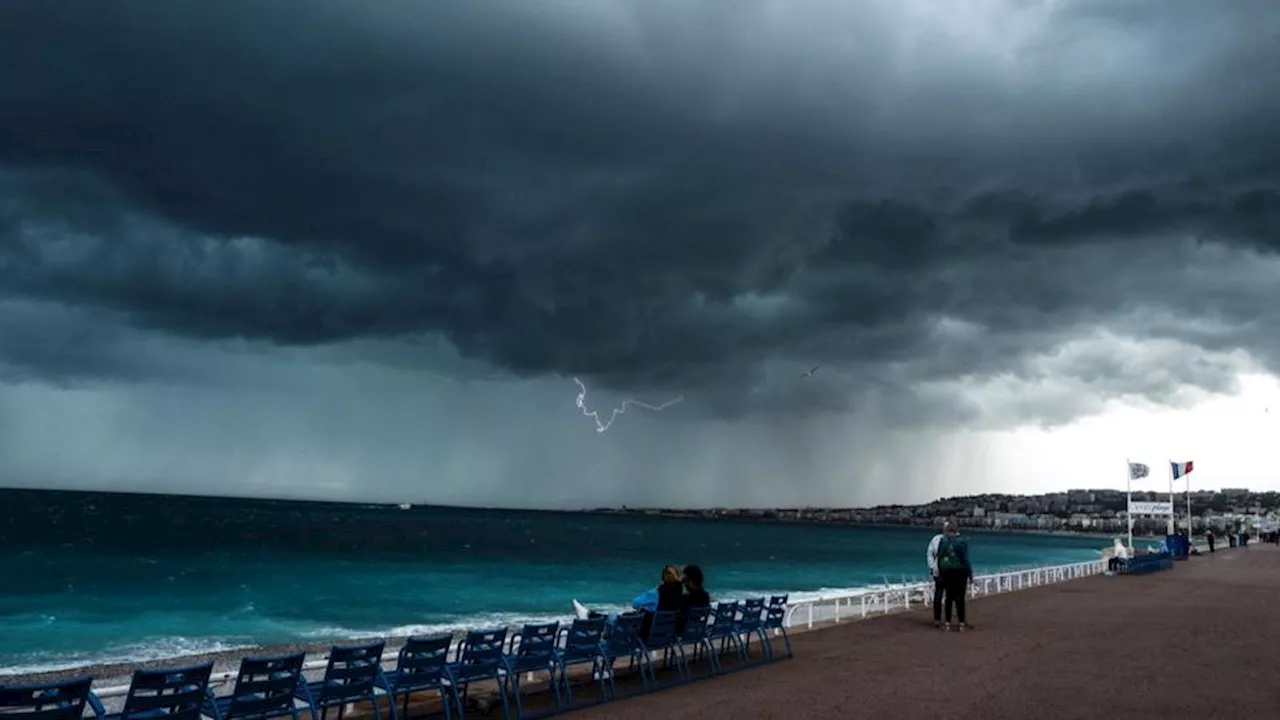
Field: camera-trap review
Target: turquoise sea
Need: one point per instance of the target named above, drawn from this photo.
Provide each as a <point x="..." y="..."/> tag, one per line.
<point x="99" y="577"/>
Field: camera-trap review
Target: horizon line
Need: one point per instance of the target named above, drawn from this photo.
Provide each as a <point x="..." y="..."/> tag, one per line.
<point x="585" y="508"/>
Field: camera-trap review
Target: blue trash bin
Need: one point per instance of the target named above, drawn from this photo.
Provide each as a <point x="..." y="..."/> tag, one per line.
<point x="1178" y="546"/>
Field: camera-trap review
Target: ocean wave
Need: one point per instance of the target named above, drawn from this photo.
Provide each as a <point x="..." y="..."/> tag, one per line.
<point x="461" y="624"/>
<point x="154" y="649"/>
<point x="163" y="648"/>
<point x="280" y="631"/>
<point x="797" y="596"/>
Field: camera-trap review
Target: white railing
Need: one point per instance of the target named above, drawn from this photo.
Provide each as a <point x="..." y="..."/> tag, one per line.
<point x="863" y="603"/>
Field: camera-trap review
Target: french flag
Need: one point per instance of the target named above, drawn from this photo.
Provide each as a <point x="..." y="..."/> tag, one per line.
<point x="1180" y="469"/>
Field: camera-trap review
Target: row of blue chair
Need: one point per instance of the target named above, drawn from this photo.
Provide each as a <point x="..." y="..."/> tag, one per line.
<point x="276" y="686"/>
<point x="1146" y="563"/>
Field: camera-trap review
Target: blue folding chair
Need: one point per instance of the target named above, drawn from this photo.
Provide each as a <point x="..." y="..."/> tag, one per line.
<point x="722" y="630"/>
<point x="749" y="622"/>
<point x="694" y="633"/>
<point x="170" y="694"/>
<point x="581" y="645"/>
<point x="623" y="641"/>
<point x="59" y="700"/>
<point x="663" y="636"/>
<point x="775" y="617"/>
<point x="265" y="688"/>
<point x="481" y="658"/>
<point x="352" y="675"/>
<point x="421" y="667"/>
<point x="533" y="649"/>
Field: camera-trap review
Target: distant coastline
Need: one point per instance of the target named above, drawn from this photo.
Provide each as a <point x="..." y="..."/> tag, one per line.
<point x="1101" y="513"/>
<point x="1092" y="511"/>
<point x="751" y="515"/>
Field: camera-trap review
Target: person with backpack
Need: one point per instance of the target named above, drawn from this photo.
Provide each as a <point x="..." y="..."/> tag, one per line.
<point x="931" y="558"/>
<point x="955" y="571"/>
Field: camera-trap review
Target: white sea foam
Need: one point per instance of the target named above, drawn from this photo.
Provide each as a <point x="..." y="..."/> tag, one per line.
<point x="156" y="649"/>
<point x="171" y="647"/>
<point x="462" y="624"/>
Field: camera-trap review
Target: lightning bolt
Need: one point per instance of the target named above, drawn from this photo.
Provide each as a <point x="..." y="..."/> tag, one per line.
<point x="602" y="426"/>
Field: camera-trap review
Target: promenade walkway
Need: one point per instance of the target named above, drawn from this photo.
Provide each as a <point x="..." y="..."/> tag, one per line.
<point x="1200" y="641"/>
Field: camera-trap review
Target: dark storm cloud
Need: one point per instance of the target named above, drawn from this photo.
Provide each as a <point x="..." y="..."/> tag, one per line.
<point x="46" y="343"/>
<point x="656" y="194"/>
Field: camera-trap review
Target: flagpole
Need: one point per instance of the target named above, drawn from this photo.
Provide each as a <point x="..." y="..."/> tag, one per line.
<point x="1170" y="497"/>
<point x="1128" y="508"/>
<point x="1190" y="529"/>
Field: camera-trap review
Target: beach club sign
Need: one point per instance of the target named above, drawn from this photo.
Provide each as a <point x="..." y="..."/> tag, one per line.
<point x="1150" y="508"/>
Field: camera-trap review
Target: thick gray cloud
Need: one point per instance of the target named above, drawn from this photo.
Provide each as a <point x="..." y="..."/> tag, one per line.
<point x="696" y="196"/>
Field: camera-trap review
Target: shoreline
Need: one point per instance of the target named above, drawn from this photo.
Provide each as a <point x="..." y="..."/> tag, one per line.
<point x="224" y="661"/>
<point x="735" y="517"/>
<point x="988" y="531"/>
<point x="227" y="661"/>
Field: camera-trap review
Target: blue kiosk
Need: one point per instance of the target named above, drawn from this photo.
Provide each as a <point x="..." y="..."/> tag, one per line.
<point x="1179" y="546"/>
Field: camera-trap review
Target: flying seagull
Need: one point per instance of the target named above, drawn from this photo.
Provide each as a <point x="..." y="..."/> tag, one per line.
<point x="811" y="371"/>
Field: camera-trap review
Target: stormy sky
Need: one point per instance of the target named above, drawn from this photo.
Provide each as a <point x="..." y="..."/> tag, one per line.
<point x="360" y="250"/>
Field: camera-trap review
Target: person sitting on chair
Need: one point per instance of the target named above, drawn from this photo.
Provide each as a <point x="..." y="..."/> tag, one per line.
<point x="666" y="596"/>
<point x="695" y="595"/>
<point x="1119" y="556"/>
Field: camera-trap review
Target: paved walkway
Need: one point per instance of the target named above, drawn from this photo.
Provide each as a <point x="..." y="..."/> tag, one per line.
<point x="1094" y="648"/>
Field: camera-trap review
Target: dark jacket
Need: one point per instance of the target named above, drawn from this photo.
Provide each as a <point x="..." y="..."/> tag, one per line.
<point x="692" y="599"/>
<point x="670" y="595"/>
<point x="695" y="599"/>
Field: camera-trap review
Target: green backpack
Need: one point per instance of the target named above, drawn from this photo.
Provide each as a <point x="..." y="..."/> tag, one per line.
<point x="951" y="554"/>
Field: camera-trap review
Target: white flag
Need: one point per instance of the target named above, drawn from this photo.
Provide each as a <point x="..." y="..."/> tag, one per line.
<point x="1137" y="471"/>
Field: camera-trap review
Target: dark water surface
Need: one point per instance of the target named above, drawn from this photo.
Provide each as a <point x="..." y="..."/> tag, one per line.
<point x="89" y="577"/>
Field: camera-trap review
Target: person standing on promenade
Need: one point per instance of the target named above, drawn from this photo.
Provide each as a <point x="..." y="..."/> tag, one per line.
<point x="956" y="571"/>
<point x="931" y="558"/>
<point x="1208" y="536"/>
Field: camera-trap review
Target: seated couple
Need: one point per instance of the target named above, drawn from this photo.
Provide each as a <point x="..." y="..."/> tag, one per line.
<point x="678" y="591"/>
<point x="1119" y="555"/>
